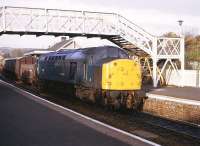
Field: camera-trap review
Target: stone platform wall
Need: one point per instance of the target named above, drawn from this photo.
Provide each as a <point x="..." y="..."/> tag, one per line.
<point x="173" y="110"/>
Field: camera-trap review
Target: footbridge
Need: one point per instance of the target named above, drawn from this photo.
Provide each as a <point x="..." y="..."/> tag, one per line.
<point x="111" y="26"/>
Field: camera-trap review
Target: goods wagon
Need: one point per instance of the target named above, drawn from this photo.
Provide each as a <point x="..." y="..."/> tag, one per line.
<point x="28" y="66"/>
<point x="11" y="68"/>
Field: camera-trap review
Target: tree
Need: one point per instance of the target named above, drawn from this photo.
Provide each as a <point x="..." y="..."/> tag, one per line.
<point x="171" y="34"/>
<point x="16" y="53"/>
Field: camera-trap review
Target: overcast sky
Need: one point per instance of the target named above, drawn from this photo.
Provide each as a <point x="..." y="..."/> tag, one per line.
<point x="155" y="16"/>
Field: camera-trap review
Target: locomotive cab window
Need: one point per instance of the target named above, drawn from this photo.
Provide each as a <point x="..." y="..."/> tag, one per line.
<point x="73" y="70"/>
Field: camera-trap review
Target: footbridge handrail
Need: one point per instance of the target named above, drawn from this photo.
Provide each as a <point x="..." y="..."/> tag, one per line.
<point x="23" y="19"/>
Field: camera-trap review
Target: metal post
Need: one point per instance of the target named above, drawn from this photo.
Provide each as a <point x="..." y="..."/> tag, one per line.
<point x="182" y="52"/>
<point x="180" y="22"/>
<point x="126" y="29"/>
<point x="117" y="23"/>
<point x="4" y="18"/>
<point x="154" y="57"/>
<point x="83" y="28"/>
<point x="46" y="17"/>
<point x="182" y="59"/>
<point x="154" y="72"/>
<point x="182" y="45"/>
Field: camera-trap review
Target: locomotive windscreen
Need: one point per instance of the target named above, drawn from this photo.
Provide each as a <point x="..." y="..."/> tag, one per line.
<point x="115" y="52"/>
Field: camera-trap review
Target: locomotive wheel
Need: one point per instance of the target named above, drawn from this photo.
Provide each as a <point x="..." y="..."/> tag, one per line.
<point x="116" y="104"/>
<point x="129" y="101"/>
<point x="39" y="86"/>
<point x="104" y="101"/>
<point x="138" y="101"/>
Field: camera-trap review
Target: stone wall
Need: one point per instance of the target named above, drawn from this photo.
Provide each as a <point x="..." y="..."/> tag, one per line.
<point x="173" y="110"/>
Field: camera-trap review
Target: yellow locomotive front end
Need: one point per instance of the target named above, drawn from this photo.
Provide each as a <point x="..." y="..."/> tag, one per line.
<point x="121" y="78"/>
<point x="121" y="74"/>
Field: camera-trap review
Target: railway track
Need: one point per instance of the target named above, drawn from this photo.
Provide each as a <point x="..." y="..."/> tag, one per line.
<point x="162" y="131"/>
<point x="174" y="126"/>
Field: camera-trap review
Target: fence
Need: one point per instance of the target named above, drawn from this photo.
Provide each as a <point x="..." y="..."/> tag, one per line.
<point x="190" y="78"/>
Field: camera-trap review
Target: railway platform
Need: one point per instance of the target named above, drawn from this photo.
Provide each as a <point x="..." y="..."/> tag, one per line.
<point x="177" y="103"/>
<point x="187" y="93"/>
<point x="26" y="119"/>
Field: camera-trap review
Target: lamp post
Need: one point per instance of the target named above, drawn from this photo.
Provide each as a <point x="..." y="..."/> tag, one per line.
<point x="180" y="22"/>
<point x="182" y="52"/>
<point x="3" y="2"/>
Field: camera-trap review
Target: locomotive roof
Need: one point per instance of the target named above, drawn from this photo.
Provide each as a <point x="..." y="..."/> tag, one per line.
<point x="94" y="53"/>
<point x="91" y="50"/>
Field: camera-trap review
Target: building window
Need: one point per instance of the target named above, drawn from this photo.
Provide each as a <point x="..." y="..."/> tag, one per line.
<point x="73" y="70"/>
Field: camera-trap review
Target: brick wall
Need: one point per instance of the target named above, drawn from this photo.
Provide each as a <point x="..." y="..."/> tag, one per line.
<point x="173" y="110"/>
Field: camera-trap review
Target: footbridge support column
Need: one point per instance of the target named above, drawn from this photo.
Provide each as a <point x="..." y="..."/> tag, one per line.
<point x="182" y="59"/>
<point x="154" y="58"/>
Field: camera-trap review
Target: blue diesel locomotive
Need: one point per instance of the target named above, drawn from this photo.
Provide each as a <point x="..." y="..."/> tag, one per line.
<point x="99" y="74"/>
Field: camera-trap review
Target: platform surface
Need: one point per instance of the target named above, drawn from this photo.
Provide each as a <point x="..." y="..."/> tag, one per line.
<point x="25" y="122"/>
<point x="189" y="93"/>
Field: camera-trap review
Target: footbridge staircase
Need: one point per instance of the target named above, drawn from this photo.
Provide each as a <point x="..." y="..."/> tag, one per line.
<point x="111" y="26"/>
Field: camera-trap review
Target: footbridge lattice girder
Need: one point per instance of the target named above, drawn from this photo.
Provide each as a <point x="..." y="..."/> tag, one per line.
<point x="114" y="27"/>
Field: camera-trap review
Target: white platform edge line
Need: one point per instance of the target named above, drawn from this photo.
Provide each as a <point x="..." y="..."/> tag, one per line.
<point x="86" y="117"/>
<point x="174" y="99"/>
